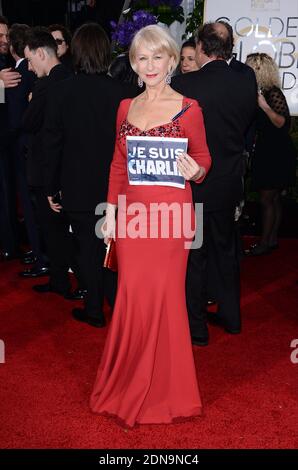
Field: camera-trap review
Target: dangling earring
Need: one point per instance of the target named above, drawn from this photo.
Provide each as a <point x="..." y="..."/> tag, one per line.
<point x="168" y="79"/>
<point x="140" y="82"/>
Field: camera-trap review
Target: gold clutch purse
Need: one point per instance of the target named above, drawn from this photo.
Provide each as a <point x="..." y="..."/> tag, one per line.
<point x="110" y="260"/>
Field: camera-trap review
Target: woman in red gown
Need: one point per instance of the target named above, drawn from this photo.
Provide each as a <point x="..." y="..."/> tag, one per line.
<point x="147" y="372"/>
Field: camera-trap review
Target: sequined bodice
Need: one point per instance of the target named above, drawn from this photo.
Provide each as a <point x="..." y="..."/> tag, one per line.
<point x="170" y="129"/>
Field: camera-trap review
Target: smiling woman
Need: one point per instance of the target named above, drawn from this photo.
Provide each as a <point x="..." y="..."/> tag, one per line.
<point x="154" y="56"/>
<point x="147" y="372"/>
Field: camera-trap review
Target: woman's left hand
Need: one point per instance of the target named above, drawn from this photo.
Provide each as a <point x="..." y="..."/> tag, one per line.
<point x="189" y="168"/>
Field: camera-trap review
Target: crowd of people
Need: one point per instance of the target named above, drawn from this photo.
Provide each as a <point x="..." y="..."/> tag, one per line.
<point x="67" y="115"/>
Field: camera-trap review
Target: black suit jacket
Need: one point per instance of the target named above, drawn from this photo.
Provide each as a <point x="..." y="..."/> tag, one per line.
<point x="17" y="97"/>
<point x="79" y="139"/>
<point x="3" y="109"/>
<point x="239" y="66"/>
<point x="247" y="74"/>
<point x="229" y="104"/>
<point x="66" y="60"/>
<point x="33" y="122"/>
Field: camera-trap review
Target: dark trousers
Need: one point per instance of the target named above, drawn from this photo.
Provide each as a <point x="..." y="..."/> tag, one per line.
<point x="8" y="203"/>
<point x="98" y="280"/>
<point x="34" y="237"/>
<point x="60" y="246"/>
<point x="221" y="247"/>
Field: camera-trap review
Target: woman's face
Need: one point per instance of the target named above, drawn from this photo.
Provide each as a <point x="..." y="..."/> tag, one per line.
<point x="152" y="67"/>
<point x="62" y="46"/>
<point x="188" y="60"/>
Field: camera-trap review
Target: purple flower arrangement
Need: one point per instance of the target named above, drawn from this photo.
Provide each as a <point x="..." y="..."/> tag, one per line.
<point x="143" y="13"/>
<point x="124" y="32"/>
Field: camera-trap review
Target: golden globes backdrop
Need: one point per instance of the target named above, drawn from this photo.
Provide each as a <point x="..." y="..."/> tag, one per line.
<point x="269" y="26"/>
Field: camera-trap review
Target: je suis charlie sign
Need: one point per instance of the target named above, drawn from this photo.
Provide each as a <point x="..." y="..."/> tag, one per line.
<point x="153" y="160"/>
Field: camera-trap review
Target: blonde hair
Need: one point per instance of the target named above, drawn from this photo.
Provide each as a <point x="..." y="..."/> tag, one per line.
<point x="156" y="39"/>
<point x="266" y="70"/>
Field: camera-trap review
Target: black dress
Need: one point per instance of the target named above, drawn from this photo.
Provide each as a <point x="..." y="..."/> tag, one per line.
<point x="274" y="159"/>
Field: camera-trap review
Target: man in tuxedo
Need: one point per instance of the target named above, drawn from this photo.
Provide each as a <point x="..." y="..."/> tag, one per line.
<point x="17" y="99"/>
<point x="41" y="53"/>
<point x="245" y="73"/>
<point x="8" y="215"/>
<point x="228" y="106"/>
<point x="80" y="137"/>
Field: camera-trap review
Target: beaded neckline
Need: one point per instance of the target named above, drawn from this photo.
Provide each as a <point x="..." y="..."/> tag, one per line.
<point x="170" y="129"/>
<point x="159" y="128"/>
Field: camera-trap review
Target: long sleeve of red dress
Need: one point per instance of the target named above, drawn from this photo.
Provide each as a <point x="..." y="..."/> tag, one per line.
<point x="193" y="123"/>
<point x="192" y="126"/>
<point x="118" y="171"/>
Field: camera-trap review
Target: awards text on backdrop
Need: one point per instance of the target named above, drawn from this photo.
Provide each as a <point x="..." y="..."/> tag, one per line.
<point x="269" y="26"/>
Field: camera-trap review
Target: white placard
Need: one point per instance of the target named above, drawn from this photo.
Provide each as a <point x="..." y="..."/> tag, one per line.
<point x="152" y="160"/>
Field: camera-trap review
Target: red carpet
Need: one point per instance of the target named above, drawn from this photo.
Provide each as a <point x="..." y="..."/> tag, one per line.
<point x="248" y="382"/>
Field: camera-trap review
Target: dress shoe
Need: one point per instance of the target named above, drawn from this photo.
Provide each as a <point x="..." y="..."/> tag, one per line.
<point x="77" y="294"/>
<point x="81" y="315"/>
<point x="35" y="272"/>
<point x="215" y="319"/>
<point x="200" y="340"/>
<point x="28" y="258"/>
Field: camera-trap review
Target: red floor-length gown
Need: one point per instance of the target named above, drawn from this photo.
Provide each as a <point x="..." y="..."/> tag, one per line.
<point x="147" y="372"/>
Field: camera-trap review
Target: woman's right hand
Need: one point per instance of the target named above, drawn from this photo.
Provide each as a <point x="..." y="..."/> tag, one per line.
<point x="108" y="228"/>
